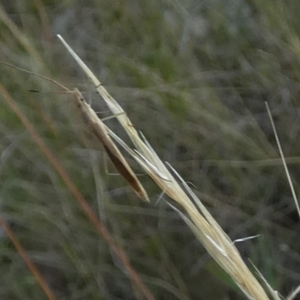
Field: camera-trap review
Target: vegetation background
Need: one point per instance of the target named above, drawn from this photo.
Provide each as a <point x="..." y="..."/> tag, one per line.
<point x="193" y="76"/>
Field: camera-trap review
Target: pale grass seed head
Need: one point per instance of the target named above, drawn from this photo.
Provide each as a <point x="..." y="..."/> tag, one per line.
<point x="207" y="230"/>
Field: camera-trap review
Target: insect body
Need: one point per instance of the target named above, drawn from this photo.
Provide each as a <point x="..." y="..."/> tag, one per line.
<point x="100" y="131"/>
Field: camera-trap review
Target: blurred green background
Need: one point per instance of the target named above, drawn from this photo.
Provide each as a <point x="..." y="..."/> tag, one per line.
<point x="193" y="76"/>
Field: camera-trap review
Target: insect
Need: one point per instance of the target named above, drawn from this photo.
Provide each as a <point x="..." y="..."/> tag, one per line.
<point x="100" y="131"/>
<point x="98" y="128"/>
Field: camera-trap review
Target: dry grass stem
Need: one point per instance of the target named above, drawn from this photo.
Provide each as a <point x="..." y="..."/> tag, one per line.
<point x="20" y="36"/>
<point x="34" y="270"/>
<point x="211" y="235"/>
<point x="273" y="293"/>
<point x="283" y="160"/>
<point x="294" y="294"/>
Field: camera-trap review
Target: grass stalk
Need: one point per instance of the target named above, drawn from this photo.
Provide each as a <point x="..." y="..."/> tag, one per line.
<point x="207" y="230"/>
<point x="32" y="267"/>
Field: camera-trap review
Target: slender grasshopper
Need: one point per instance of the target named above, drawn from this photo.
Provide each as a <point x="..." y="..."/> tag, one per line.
<point x="100" y="131"/>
